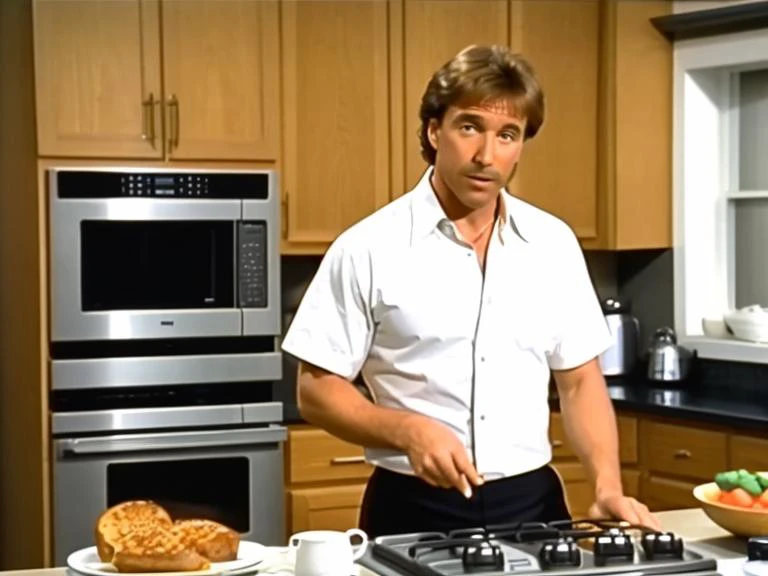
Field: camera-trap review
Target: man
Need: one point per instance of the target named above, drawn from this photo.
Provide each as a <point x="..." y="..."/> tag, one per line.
<point x="455" y="303"/>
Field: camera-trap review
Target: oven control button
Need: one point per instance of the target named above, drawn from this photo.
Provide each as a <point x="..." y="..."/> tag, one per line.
<point x="560" y="552"/>
<point x="613" y="545"/>
<point x="482" y="557"/>
<point x="757" y="548"/>
<point x="658" y="545"/>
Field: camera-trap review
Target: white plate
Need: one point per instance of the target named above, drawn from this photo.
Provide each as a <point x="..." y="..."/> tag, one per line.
<point x="249" y="554"/>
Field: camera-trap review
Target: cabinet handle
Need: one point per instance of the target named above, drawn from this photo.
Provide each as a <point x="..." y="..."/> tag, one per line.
<point x="348" y="460"/>
<point x="148" y="119"/>
<point x="557" y="443"/>
<point x="682" y="454"/>
<point x="173" y="111"/>
<point x="284" y="209"/>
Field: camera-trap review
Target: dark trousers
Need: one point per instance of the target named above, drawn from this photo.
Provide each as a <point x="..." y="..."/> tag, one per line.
<point x="399" y="504"/>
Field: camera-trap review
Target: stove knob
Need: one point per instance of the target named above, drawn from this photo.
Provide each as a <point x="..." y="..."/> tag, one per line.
<point x="482" y="557"/>
<point x="560" y="552"/>
<point x="757" y="548"/>
<point x="658" y="545"/>
<point x="613" y="546"/>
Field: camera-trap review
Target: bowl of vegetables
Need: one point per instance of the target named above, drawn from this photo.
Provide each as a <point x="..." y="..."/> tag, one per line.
<point x="737" y="501"/>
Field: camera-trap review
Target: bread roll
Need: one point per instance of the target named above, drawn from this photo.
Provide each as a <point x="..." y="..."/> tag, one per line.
<point x="214" y="541"/>
<point x="118" y="521"/>
<point x="156" y="548"/>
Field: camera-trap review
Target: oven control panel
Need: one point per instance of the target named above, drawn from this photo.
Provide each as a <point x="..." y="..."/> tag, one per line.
<point x="252" y="259"/>
<point x="184" y="185"/>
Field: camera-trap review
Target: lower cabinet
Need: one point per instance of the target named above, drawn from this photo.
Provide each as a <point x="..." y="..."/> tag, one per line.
<point x="325" y="479"/>
<point x="325" y="507"/>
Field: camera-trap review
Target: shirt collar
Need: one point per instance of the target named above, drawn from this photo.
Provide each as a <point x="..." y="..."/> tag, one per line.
<point x="428" y="215"/>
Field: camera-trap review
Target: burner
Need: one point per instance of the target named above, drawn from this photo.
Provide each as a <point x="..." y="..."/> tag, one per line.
<point x="613" y="545"/>
<point x="658" y="545"/>
<point x="482" y="557"/>
<point x="559" y="553"/>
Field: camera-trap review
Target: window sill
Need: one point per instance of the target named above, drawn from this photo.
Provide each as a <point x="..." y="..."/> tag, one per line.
<point x="727" y="349"/>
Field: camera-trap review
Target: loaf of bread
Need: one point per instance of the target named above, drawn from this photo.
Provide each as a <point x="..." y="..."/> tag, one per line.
<point x="140" y="536"/>
<point x="118" y="521"/>
<point x="156" y="548"/>
<point x="214" y="541"/>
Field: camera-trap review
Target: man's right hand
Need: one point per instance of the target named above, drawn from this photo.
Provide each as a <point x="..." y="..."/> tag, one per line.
<point x="437" y="456"/>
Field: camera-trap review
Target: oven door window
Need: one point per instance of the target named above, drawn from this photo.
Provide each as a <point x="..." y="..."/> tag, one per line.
<point x="212" y="488"/>
<point x="157" y="265"/>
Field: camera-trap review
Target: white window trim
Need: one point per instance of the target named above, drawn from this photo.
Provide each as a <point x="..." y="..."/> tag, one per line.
<point x="704" y="150"/>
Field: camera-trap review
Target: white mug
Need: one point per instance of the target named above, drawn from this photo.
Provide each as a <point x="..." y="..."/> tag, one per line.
<point x="326" y="552"/>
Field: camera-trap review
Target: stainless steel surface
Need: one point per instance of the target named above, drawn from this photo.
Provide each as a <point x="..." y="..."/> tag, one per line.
<point x="168" y="417"/>
<point x="164" y="370"/>
<point x="80" y="484"/>
<point x="173" y="119"/>
<point x="667" y="361"/>
<point x="165" y="442"/>
<point x="70" y="323"/>
<point x="621" y="357"/>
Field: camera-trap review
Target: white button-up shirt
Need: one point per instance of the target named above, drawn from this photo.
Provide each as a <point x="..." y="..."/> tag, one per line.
<point x="402" y="299"/>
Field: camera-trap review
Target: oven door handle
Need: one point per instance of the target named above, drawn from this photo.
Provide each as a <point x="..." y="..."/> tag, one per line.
<point x="170" y="442"/>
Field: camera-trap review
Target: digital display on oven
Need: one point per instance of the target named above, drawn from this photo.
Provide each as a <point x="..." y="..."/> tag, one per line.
<point x="163" y="180"/>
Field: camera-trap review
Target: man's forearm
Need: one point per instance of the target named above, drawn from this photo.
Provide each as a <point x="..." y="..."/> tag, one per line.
<point x="334" y="404"/>
<point x="590" y="423"/>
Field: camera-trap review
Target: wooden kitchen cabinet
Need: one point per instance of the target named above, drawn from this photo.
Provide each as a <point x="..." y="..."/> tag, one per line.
<point x="558" y="168"/>
<point x="634" y="200"/>
<point x="157" y="79"/>
<point x="337" y="114"/>
<point x="325" y="481"/>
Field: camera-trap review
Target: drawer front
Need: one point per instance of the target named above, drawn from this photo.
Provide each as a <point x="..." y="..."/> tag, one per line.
<point x="749" y="453"/>
<point x="627" y="428"/>
<point x="682" y="451"/>
<point x="660" y="493"/>
<point x="325" y="508"/>
<point x="314" y="455"/>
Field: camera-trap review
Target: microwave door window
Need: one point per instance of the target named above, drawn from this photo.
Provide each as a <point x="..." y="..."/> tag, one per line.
<point x="157" y="265"/>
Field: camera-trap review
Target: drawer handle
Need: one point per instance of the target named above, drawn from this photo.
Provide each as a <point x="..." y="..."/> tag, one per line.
<point x="348" y="460"/>
<point x="682" y="454"/>
<point x="557" y="444"/>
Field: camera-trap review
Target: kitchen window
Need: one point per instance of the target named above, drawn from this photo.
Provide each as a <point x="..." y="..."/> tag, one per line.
<point x="720" y="189"/>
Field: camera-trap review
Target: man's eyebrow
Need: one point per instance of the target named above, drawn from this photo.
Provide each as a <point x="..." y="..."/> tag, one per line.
<point x="476" y="118"/>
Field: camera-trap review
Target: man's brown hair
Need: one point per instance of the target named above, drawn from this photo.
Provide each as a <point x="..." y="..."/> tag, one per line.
<point x="476" y="75"/>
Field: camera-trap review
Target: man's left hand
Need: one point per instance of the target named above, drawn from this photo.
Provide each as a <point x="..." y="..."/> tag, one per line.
<point x="620" y="507"/>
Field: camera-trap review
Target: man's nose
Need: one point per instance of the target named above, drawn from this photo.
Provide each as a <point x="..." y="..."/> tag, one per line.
<point x="484" y="154"/>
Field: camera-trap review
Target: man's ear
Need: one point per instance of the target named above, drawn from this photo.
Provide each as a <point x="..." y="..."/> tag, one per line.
<point x="433" y="132"/>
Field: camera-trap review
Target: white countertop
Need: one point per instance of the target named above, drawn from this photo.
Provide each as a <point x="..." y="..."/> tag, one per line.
<point x="692" y="524"/>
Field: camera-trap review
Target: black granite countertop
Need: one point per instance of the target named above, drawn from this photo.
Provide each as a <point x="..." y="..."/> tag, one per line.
<point x="729" y="407"/>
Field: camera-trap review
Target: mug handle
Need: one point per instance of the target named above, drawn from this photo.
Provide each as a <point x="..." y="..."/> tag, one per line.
<point x="359" y="549"/>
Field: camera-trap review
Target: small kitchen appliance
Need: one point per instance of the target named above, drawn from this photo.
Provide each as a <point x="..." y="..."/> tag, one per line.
<point x="566" y="548"/>
<point x="621" y="356"/>
<point x="667" y="360"/>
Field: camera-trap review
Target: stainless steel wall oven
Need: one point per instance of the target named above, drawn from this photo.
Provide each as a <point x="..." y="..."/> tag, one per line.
<point x="165" y="321"/>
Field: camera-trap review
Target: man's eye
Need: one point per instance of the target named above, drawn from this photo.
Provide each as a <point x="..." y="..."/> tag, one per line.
<point x="509" y="136"/>
<point x="467" y="128"/>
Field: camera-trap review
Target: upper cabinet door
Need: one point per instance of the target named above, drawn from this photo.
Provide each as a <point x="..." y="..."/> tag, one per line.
<point x="222" y="83"/>
<point x="434" y="32"/>
<point x="558" y="168"/>
<point x="336" y="162"/>
<point x="97" y="78"/>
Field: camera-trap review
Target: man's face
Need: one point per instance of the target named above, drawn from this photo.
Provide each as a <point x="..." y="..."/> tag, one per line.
<point x="477" y="150"/>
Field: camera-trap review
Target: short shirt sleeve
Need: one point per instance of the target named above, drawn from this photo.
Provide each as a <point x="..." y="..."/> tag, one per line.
<point x="333" y="326"/>
<point x="583" y="332"/>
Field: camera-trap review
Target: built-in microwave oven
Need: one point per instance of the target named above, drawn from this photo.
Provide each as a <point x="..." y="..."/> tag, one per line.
<point x="163" y="254"/>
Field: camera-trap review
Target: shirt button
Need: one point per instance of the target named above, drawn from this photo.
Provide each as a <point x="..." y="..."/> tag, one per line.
<point x="482" y="358"/>
<point x="482" y="417"/>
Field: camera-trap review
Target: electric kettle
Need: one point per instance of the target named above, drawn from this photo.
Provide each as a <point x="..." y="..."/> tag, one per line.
<point x="621" y="356"/>
<point x="667" y="361"/>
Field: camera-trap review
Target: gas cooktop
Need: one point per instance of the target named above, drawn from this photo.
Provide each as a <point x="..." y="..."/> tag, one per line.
<point x="564" y="548"/>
